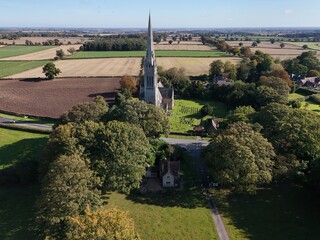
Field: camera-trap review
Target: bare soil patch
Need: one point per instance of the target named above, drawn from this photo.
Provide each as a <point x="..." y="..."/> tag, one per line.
<point x="43" y="55"/>
<point x="52" y="98"/>
<point x="193" y="66"/>
<point x="90" y="68"/>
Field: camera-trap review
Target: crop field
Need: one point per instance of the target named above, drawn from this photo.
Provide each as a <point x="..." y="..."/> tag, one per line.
<point x="90" y="68"/>
<point x="42" y="54"/>
<point x="160" y="53"/>
<point x="289" y="51"/>
<point x="22" y="40"/>
<point x="193" y="66"/>
<point x="53" y="98"/>
<point x="11" y="51"/>
<point x="8" y="68"/>
<point x="311" y="45"/>
<point x="182" y="46"/>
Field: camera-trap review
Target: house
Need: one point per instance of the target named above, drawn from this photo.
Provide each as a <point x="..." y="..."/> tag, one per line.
<point x="312" y="82"/>
<point x="170" y="173"/>
<point x="222" y="81"/>
<point x="152" y="91"/>
<point x="212" y="125"/>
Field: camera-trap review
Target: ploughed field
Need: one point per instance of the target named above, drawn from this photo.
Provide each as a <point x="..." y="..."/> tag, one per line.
<point x="51" y="98"/>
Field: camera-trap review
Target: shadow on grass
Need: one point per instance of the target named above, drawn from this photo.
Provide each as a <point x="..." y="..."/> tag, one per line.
<point x="17" y="212"/>
<point x="21" y="150"/>
<point x="286" y="212"/>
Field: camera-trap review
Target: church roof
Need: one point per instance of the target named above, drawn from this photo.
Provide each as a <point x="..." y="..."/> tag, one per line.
<point x="166" y="92"/>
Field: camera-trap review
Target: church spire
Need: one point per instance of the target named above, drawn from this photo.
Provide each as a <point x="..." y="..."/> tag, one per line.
<point x="150" y="47"/>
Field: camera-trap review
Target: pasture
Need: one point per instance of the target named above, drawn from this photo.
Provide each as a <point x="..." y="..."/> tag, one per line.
<point x="308" y="105"/>
<point x="186" y="114"/>
<point x="193" y="66"/>
<point x="8" y="68"/>
<point x="160" y="53"/>
<point x="52" y="98"/>
<point x="90" y="68"/>
<point x="11" y="51"/>
<point x="43" y="54"/>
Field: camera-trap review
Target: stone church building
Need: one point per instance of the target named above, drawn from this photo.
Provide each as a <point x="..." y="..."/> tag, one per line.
<point x="153" y="91"/>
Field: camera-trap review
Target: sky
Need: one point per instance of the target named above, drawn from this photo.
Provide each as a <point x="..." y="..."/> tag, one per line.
<point x="165" y="13"/>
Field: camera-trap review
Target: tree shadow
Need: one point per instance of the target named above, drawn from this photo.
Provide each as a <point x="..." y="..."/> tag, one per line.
<point x="33" y="79"/>
<point x="109" y="96"/>
<point x="21" y="150"/>
<point x="281" y="212"/>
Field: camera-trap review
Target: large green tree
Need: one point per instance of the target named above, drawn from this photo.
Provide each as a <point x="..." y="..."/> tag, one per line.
<point x="240" y="157"/>
<point x="50" y="70"/>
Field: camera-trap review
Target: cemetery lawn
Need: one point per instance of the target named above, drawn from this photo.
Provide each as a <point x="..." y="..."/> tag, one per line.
<point x="186" y="114"/>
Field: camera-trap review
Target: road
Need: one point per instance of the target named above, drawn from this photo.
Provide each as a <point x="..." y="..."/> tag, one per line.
<point x="35" y="126"/>
<point x="194" y="147"/>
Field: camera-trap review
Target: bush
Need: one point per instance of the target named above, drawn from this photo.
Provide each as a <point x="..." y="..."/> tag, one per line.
<point x="296" y="104"/>
<point x="315" y="98"/>
<point x="206" y="110"/>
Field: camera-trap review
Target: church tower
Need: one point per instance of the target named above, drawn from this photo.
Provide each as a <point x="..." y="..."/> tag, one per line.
<point x="151" y="91"/>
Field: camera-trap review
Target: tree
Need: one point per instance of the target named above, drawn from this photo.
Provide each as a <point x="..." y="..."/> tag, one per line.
<point x="60" y="53"/>
<point x="150" y="118"/>
<point x="240" y="44"/>
<point x="305" y="46"/>
<point x="81" y="113"/>
<point x="282" y="45"/>
<point x="254" y="44"/>
<point x="239" y="157"/>
<point x="235" y="51"/>
<point x="258" y="41"/>
<point x="272" y="40"/>
<point x="206" y="110"/>
<point x="68" y="186"/>
<point x="71" y="50"/>
<point x="176" y="78"/>
<point x="50" y="70"/>
<point x="246" y="52"/>
<point x="240" y="114"/>
<point x="229" y="70"/>
<point x="129" y="83"/>
<point x="170" y="41"/>
<point x="102" y="224"/>
<point x="216" y="69"/>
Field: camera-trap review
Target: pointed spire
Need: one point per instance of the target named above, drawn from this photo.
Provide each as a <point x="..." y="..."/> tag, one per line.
<point x="150" y="48"/>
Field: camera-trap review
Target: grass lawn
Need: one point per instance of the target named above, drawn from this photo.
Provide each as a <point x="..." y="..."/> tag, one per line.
<point x="176" y="214"/>
<point x="305" y="104"/>
<point x="185" y="114"/>
<point x="8" y="68"/>
<point x="160" y="53"/>
<point x="17" y="212"/>
<point x="286" y="212"/>
<point x="12" y="51"/>
<point x="18" y="145"/>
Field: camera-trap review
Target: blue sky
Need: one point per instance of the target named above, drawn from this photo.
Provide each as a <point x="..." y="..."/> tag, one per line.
<point x="165" y="13"/>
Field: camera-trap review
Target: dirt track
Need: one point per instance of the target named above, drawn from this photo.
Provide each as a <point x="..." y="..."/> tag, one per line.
<point x="53" y="98"/>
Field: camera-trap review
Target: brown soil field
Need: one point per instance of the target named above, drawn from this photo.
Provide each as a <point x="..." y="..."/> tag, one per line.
<point x="289" y="51"/>
<point x="51" y="98"/>
<point x="193" y="66"/>
<point x="22" y="41"/>
<point x="89" y="68"/>
<point x="176" y="46"/>
<point x="43" y="55"/>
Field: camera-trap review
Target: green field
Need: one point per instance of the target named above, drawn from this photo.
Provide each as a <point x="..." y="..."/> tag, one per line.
<point x="8" y="68"/>
<point x="17" y="146"/>
<point x="311" y="45"/>
<point x="177" y="214"/>
<point x="12" y="51"/>
<point x="185" y="115"/>
<point x="305" y="104"/>
<point x="286" y="212"/>
<point x="175" y="53"/>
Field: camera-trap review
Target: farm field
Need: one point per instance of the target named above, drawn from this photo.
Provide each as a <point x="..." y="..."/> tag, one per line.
<point x="8" y="68"/>
<point x="16" y="146"/>
<point x="90" y="68"/>
<point x="277" y="212"/>
<point x="22" y="40"/>
<point x="183" y="46"/>
<point x="311" y="45"/>
<point x="53" y="98"/>
<point x="185" y="114"/>
<point x="43" y="54"/>
<point x="160" y="53"/>
<point x="288" y="52"/>
<point x="11" y="51"/>
<point x="193" y="66"/>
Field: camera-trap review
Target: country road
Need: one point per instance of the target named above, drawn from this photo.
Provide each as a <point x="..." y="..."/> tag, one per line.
<point x="25" y="124"/>
<point x="194" y="147"/>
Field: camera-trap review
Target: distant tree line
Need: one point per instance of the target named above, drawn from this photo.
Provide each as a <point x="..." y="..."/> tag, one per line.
<point x="115" y="44"/>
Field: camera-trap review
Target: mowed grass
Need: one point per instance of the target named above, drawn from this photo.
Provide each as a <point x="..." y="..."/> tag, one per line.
<point x="12" y="51"/>
<point x="286" y="212"/>
<point x="26" y="119"/>
<point x="8" y="68"/>
<point x="176" y="214"/>
<point x="186" y="114"/>
<point x="17" y="146"/>
<point x="308" y="105"/>
<point x="17" y="212"/>
<point x="163" y="53"/>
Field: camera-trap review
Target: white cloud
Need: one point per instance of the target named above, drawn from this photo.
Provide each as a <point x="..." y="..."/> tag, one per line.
<point x="288" y="11"/>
